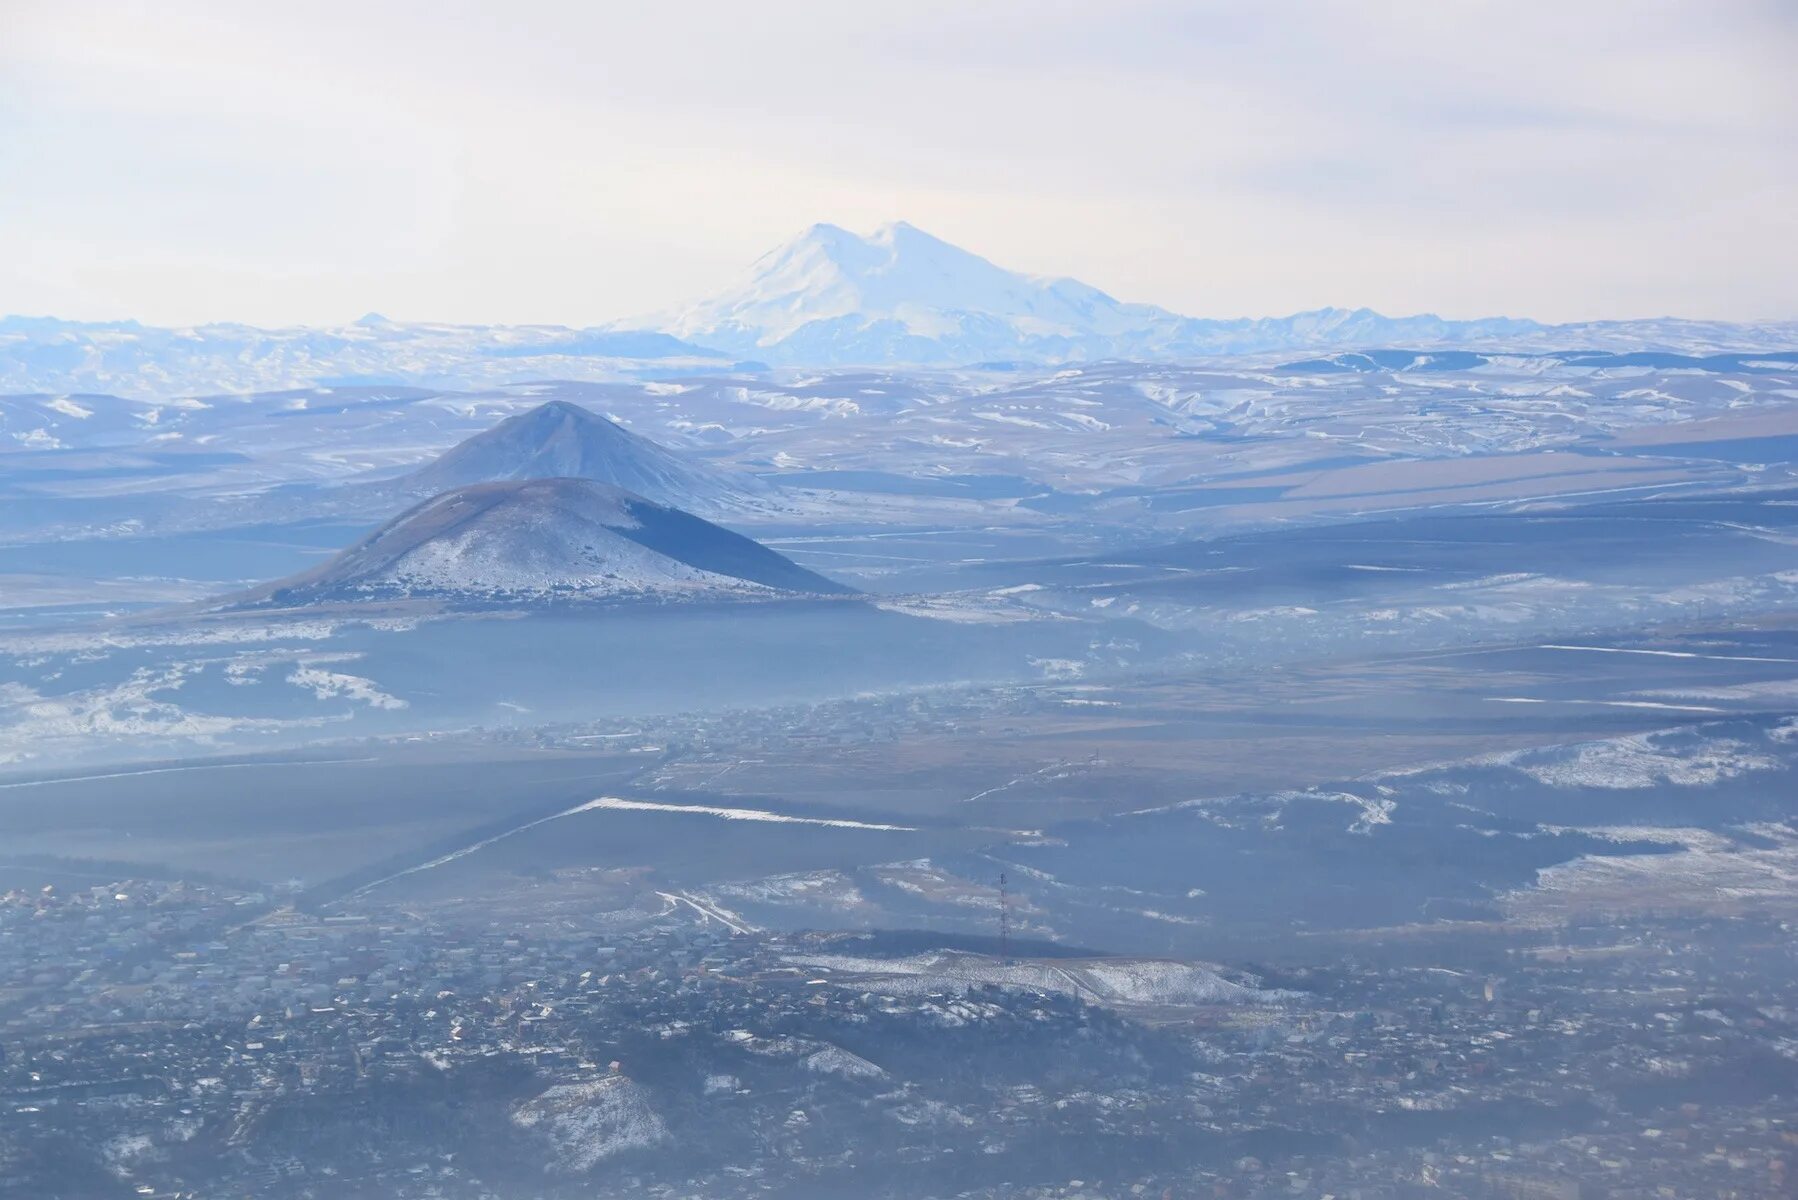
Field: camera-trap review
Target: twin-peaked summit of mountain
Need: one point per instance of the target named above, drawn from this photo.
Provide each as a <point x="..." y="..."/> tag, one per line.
<point x="899" y="295"/>
<point x="560" y="440"/>
<point x="903" y="275"/>
<point x="544" y="541"/>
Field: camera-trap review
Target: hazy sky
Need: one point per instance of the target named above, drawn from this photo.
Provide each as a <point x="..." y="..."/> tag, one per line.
<point x="578" y="161"/>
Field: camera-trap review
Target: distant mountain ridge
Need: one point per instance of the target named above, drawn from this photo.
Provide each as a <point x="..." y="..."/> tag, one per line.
<point x="827" y="298"/>
<point x="832" y="297"/>
<point x="544" y="541"/>
<point x="48" y="355"/>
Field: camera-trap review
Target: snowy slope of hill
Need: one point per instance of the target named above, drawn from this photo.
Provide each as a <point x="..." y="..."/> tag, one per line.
<point x="561" y="440"/>
<point x="540" y="541"/>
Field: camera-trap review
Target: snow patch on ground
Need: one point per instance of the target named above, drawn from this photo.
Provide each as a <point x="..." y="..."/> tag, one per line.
<point x="136" y="709"/>
<point x="587" y="1123"/>
<point x="1103" y="981"/>
<point x="732" y="814"/>
<point x="834" y="1060"/>
<point x="828" y="889"/>
<point x="1640" y="761"/>
<point x="329" y="685"/>
<point x="959" y="610"/>
<point x="1712" y="875"/>
<point x="333" y="684"/>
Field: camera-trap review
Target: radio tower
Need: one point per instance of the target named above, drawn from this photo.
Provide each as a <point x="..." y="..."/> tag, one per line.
<point x="1004" y="920"/>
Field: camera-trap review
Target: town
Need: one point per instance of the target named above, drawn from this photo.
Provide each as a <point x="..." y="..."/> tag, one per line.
<point x="187" y="1039"/>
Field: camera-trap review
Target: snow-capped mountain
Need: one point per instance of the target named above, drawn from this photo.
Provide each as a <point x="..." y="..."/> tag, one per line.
<point x="561" y="440"/>
<point x="544" y="541"/>
<point x="833" y="298"/>
<point x="903" y="276"/>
